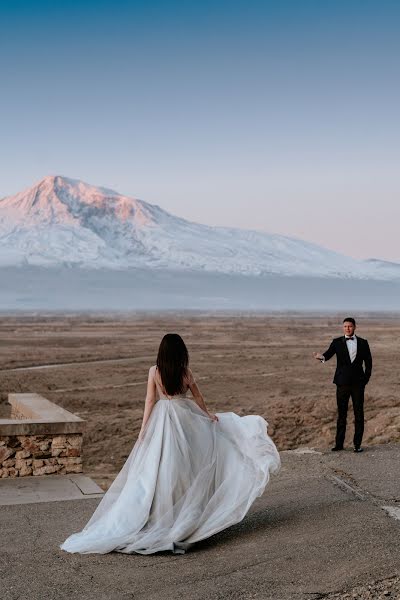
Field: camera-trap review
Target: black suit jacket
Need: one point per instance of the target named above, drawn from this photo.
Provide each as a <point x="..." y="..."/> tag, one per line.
<point x="347" y="372"/>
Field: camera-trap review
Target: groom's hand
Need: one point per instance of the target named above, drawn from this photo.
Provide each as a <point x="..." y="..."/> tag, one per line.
<point x="318" y="356"/>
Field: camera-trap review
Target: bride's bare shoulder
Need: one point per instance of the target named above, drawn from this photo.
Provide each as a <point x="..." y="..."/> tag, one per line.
<point x="152" y="371"/>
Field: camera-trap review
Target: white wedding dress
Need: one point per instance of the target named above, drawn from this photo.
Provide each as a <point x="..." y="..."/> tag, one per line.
<point x="188" y="478"/>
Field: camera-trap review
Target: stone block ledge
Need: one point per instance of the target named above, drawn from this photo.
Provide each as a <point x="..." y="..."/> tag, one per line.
<point x="32" y="414"/>
<point x="41" y="438"/>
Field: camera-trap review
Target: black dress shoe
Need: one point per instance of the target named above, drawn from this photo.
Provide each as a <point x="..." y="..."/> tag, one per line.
<point x="337" y="448"/>
<point x="358" y="449"/>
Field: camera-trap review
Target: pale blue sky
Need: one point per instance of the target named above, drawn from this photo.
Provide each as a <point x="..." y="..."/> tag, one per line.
<point x="281" y="116"/>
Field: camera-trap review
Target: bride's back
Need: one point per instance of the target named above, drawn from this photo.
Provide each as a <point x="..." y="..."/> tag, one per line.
<point x="162" y="393"/>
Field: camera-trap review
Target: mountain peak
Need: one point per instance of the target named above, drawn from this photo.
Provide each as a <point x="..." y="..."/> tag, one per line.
<point x="62" y="221"/>
<point x="50" y="181"/>
<point x="84" y="190"/>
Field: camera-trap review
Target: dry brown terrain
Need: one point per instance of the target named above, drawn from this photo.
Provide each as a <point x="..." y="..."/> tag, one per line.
<point x="246" y="364"/>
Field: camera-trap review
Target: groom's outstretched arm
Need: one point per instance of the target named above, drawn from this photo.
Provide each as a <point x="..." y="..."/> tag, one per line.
<point x="326" y="355"/>
<point x="330" y="352"/>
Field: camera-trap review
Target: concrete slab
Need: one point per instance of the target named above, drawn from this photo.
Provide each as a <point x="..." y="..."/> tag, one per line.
<point x="86" y="485"/>
<point x="48" y="488"/>
<point x="306" y="538"/>
<point x="393" y="511"/>
<point x="35" y="415"/>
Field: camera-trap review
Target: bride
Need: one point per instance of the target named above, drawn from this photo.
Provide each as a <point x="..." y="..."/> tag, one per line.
<point x="190" y="474"/>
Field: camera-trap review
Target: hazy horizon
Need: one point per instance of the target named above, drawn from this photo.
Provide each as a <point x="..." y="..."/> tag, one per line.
<point x="31" y="288"/>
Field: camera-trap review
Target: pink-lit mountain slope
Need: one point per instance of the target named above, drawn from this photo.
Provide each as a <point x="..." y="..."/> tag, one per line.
<point x="61" y="221"/>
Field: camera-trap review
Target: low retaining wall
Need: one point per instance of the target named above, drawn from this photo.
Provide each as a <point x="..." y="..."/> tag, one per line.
<point x="41" y="438"/>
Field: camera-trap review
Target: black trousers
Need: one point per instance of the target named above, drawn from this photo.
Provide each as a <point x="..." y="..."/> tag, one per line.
<point x="343" y="394"/>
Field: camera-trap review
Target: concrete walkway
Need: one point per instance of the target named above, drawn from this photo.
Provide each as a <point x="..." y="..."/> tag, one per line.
<point x="29" y="490"/>
<point x="322" y="527"/>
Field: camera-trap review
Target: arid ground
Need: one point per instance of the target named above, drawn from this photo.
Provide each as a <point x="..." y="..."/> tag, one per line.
<point x="247" y="364"/>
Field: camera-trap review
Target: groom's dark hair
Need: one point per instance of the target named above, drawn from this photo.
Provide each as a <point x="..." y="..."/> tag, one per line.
<point x="350" y="320"/>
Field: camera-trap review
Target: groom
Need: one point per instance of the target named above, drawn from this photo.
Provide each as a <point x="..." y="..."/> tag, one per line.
<point x="350" y="378"/>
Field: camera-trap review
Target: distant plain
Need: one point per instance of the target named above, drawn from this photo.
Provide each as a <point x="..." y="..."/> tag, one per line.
<point x="249" y="364"/>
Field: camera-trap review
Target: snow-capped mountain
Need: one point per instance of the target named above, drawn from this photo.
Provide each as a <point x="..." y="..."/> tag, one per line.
<point x="65" y="222"/>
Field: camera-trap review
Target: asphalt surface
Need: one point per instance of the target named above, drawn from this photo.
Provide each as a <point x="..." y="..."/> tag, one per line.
<point x="321" y="530"/>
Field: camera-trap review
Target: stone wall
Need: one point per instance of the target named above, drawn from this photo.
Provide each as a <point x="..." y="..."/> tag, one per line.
<point x="40" y="438"/>
<point x="23" y="455"/>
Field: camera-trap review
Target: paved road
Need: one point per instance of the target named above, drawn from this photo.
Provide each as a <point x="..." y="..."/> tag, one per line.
<point x="319" y="530"/>
<point x="75" y="363"/>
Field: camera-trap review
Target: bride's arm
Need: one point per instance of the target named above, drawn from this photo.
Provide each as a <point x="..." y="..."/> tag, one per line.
<point x="198" y="396"/>
<point x="149" y="402"/>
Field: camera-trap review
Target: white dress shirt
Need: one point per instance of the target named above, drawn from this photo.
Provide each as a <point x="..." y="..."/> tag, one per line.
<point x="351" y="347"/>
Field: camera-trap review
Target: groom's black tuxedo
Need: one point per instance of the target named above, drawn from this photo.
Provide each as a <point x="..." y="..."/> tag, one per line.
<point x="351" y="379"/>
<point x="347" y="372"/>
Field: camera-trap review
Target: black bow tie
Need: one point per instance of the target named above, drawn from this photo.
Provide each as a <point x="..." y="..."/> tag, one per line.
<point x="348" y="338"/>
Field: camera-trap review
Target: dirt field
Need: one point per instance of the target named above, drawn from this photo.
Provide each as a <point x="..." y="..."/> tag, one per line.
<point x="246" y="364"/>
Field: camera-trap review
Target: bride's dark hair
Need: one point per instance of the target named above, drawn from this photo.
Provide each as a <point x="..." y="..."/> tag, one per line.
<point x="172" y="363"/>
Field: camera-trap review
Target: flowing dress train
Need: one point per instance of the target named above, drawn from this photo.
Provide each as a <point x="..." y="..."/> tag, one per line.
<point x="188" y="478"/>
